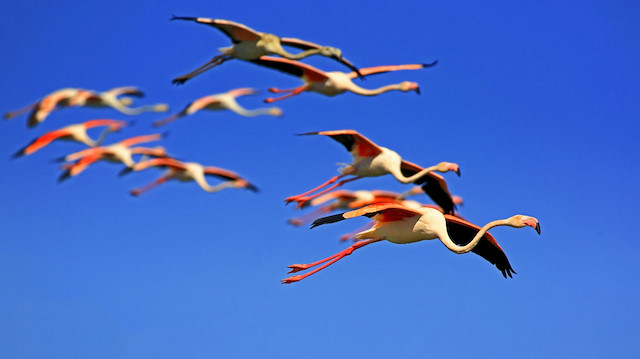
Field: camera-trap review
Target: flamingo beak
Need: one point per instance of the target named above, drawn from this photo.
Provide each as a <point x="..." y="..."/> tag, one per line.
<point x="458" y="171"/>
<point x="418" y="90"/>
<point x="537" y="228"/>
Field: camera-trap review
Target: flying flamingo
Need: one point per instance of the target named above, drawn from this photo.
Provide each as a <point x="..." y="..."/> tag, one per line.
<point x="120" y="152"/>
<point x="334" y="82"/>
<point x="221" y="101"/>
<point x="249" y="44"/>
<point x="76" y="132"/>
<point x="345" y="200"/>
<point x="398" y="224"/>
<point x="111" y="98"/>
<point x="190" y="171"/>
<point x="41" y="109"/>
<point x="371" y="160"/>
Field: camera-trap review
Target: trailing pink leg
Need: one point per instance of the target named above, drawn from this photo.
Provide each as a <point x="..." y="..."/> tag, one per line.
<point x="139" y="191"/>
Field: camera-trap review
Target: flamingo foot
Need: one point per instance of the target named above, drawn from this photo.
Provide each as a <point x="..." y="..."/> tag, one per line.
<point x="291" y="279"/>
<point x="295" y="222"/>
<point x="299" y="267"/>
<point x="135" y="192"/>
<point x="344" y="238"/>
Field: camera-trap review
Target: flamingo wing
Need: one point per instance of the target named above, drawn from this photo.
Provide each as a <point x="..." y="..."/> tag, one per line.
<point x="141" y="139"/>
<point x="228" y="175"/>
<point x="126" y="90"/>
<point x="461" y="232"/>
<point x="306" y="45"/>
<point x="388" y="212"/>
<point x="41" y="141"/>
<point x="352" y="141"/>
<point x="236" y="31"/>
<point x="388" y="68"/>
<point x="432" y="184"/>
<point x="291" y="67"/>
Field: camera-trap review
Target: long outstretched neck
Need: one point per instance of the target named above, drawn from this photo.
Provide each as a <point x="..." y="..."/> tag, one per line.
<point x="235" y="107"/>
<point x="400" y="177"/>
<point x="202" y="182"/>
<point x="373" y="92"/>
<point x="12" y="114"/>
<point x="446" y="240"/>
<point x="139" y="110"/>
<point x="101" y="138"/>
<point x="298" y="56"/>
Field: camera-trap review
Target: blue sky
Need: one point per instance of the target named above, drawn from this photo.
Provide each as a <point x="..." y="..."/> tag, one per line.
<point x="537" y="102"/>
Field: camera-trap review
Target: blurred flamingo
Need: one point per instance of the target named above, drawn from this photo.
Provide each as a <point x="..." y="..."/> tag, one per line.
<point x="334" y="82"/>
<point x="249" y="44"/>
<point x="41" y="109"/>
<point x="111" y="98"/>
<point x="221" y="101"/>
<point x="76" y="132"/>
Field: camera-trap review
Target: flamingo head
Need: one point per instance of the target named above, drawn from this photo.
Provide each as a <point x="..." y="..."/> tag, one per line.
<point x="520" y="221"/>
<point x="407" y="86"/>
<point x="331" y="52"/>
<point x="126" y="101"/>
<point x="275" y="111"/>
<point x="448" y="166"/>
<point x="161" y="107"/>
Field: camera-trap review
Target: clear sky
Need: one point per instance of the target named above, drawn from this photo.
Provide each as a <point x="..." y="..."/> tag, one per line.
<point x="536" y="101"/>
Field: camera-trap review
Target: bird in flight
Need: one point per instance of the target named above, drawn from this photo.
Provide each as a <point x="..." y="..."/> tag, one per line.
<point x="249" y="44"/>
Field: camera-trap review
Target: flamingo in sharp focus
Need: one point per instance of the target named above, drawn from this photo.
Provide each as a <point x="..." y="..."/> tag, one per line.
<point x="120" y="152"/>
<point x="76" y="132"/>
<point x="399" y="224"/>
<point x="111" y="98"/>
<point x="334" y="82"/>
<point x="221" y="101"/>
<point x="249" y="44"/>
<point x="41" y="109"/>
<point x="371" y="160"/>
<point x="190" y="171"/>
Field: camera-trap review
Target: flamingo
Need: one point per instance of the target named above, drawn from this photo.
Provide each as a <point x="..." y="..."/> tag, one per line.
<point x="343" y="199"/>
<point x="399" y="224"/>
<point x="249" y="44"/>
<point x="120" y="152"/>
<point x="221" y="101"/>
<point x="190" y="171"/>
<point x="334" y="82"/>
<point x="41" y="109"/>
<point x="371" y="160"/>
<point x="76" y="132"/>
<point x="110" y="98"/>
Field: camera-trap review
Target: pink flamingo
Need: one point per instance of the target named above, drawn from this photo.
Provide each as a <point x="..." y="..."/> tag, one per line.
<point x="371" y="160"/>
<point x="249" y="44"/>
<point x="190" y="171"/>
<point x="221" y="101"/>
<point x="334" y="82"/>
<point x="41" y="109"/>
<point x="111" y="98"/>
<point x="399" y="224"/>
<point x="76" y="132"/>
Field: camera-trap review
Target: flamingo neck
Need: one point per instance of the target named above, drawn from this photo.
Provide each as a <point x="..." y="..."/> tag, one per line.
<point x="469" y="246"/>
<point x="373" y="92"/>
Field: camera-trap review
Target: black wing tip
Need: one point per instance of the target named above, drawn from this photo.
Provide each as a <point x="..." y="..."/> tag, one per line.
<point x="252" y="188"/>
<point x="173" y="17"/>
<point x="329" y="219"/>
<point x="59" y="159"/>
<point x="18" y="154"/>
<point x="66" y="175"/>
<point x="307" y="133"/>
<point x="125" y="171"/>
<point x="429" y="64"/>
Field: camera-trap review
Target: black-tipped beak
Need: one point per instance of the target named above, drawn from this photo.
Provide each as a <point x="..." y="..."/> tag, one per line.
<point x="538" y="228"/>
<point x="64" y="176"/>
<point x="418" y="90"/>
<point x="252" y="188"/>
<point x="458" y="172"/>
<point x="430" y="64"/>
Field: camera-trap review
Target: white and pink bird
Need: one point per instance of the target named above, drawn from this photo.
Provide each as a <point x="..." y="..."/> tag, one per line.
<point x="334" y="82"/>
<point x="221" y="101"/>
<point x="399" y="224"/>
<point x="371" y="160"/>
<point x="249" y="44"/>
<point x="189" y="171"/>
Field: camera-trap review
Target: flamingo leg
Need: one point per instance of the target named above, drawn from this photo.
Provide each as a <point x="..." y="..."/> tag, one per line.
<point x="345" y="237"/>
<point x="330" y="181"/>
<point x="302" y="200"/>
<point x="306" y="218"/>
<point x="217" y="60"/>
<point x="139" y="191"/>
<point x="12" y="114"/>
<point x="331" y="259"/>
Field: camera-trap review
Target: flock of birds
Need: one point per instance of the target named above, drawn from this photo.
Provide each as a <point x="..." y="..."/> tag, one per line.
<point x="395" y="218"/>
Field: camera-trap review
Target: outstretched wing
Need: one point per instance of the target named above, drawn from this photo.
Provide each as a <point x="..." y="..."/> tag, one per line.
<point x="291" y="67"/>
<point x="229" y="176"/>
<point x="388" y="212"/>
<point x="432" y="184"/>
<point x="306" y="45"/>
<point x="461" y="232"/>
<point x="352" y="141"/>
<point x="387" y="68"/>
<point x="236" y="31"/>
